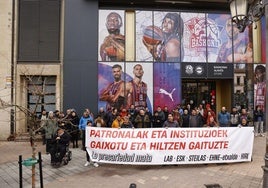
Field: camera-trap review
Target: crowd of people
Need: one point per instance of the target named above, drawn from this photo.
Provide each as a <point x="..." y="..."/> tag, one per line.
<point x="182" y="116"/>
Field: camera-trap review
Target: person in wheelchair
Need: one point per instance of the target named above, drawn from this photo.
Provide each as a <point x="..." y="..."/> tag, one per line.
<point x="60" y="145"/>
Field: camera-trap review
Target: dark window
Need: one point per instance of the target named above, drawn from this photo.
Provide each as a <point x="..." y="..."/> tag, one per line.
<point x="41" y="92"/>
<point x="238" y="80"/>
<point x="39" y="30"/>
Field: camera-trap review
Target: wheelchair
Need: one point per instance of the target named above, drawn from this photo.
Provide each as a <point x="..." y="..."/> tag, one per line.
<point x="67" y="157"/>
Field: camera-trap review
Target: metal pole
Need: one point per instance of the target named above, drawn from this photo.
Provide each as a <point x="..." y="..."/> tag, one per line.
<point x="265" y="168"/>
<point x="40" y="169"/>
<point x="20" y="170"/>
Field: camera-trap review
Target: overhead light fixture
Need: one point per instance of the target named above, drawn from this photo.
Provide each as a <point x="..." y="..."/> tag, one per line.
<point x="246" y="12"/>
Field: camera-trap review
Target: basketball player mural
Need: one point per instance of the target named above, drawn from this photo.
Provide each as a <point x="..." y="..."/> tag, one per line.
<point x="137" y="89"/>
<point x="260" y="86"/>
<point x="113" y="94"/>
<point x="165" y="43"/>
<point x="234" y="50"/>
<point x="113" y="46"/>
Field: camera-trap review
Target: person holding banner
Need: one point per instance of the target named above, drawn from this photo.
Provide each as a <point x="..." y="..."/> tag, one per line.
<point x="82" y="125"/>
<point x="126" y="123"/>
<point x="90" y="124"/>
<point x="212" y="122"/>
<point x="244" y="123"/>
<point x="195" y="120"/>
<point x="170" y="122"/>
<point x="111" y="116"/>
<point x="117" y="122"/>
<point x="157" y="120"/>
<point x="142" y="120"/>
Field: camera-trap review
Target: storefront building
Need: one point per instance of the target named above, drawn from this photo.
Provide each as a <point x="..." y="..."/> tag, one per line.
<point x="63" y="54"/>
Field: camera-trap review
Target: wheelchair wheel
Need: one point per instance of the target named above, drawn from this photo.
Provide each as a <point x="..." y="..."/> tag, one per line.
<point x="69" y="156"/>
<point x="65" y="161"/>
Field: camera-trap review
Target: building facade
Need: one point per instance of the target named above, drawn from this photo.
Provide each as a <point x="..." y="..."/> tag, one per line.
<point x="59" y="54"/>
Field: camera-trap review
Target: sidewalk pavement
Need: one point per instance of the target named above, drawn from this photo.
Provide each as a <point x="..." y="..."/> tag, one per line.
<point x="232" y="175"/>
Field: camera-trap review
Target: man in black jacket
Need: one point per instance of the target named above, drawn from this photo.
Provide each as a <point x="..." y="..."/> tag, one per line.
<point x="60" y="142"/>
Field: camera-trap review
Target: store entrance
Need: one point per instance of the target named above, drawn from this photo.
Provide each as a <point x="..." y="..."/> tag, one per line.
<point x="195" y="92"/>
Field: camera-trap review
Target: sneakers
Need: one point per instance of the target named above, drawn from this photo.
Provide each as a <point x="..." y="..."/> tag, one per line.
<point x="96" y="165"/>
<point x="87" y="163"/>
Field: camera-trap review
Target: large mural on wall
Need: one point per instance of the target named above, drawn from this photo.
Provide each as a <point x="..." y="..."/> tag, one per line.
<point x="123" y="84"/>
<point x="236" y="47"/>
<point x="111" y="36"/>
<point x="158" y="36"/>
<point x="167" y="45"/>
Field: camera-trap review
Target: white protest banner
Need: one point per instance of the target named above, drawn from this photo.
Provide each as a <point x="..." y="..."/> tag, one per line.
<point x="170" y="146"/>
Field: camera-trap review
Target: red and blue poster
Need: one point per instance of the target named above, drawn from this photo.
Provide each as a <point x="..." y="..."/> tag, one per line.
<point x="167" y="85"/>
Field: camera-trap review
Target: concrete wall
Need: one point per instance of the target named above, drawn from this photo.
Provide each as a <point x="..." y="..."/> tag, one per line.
<point x="5" y="65"/>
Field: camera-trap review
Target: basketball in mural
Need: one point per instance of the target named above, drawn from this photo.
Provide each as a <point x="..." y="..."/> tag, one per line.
<point x="152" y="35"/>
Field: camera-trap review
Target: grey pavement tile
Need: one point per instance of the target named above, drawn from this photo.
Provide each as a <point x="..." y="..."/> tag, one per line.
<point x="13" y="185"/>
<point x="26" y="175"/>
<point x="3" y="167"/>
<point x="47" y="173"/>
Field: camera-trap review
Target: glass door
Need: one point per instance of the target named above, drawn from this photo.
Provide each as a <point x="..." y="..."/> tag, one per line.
<point x="199" y="92"/>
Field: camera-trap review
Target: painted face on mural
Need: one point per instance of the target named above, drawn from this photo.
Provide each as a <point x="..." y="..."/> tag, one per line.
<point x="168" y="25"/>
<point x="113" y="22"/>
<point x="117" y="73"/>
<point x="138" y="71"/>
<point x="231" y="30"/>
